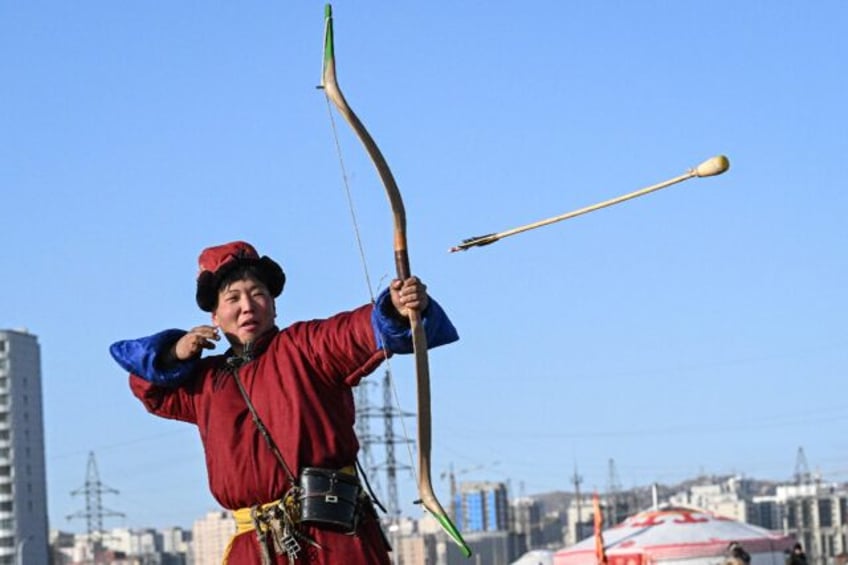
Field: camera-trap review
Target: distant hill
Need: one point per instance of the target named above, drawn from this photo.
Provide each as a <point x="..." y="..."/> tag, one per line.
<point x="641" y="497"/>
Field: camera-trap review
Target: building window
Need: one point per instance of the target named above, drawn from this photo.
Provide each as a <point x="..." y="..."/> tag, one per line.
<point x="825" y="514"/>
<point x="791" y="516"/>
<point x="3" y="346"/>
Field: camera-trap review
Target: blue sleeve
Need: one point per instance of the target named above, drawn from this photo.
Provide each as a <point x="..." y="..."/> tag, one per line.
<point x="138" y="356"/>
<point x="396" y="336"/>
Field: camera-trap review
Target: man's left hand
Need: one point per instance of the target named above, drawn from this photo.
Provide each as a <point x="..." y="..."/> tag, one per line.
<point x="407" y="295"/>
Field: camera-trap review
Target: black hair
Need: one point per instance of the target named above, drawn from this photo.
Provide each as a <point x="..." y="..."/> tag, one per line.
<point x="263" y="270"/>
<point x="241" y="272"/>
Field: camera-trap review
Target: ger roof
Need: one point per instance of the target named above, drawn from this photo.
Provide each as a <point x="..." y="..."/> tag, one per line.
<point x="675" y="533"/>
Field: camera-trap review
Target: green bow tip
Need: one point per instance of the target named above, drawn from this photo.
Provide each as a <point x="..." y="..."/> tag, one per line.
<point x="451" y="530"/>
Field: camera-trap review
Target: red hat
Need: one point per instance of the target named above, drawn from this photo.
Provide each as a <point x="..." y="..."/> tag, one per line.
<point x="217" y="262"/>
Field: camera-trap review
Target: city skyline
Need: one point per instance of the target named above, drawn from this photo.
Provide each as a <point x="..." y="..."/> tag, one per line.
<point x="770" y="517"/>
<point x="112" y="501"/>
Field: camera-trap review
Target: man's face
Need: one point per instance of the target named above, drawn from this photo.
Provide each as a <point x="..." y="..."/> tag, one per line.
<point x="245" y="311"/>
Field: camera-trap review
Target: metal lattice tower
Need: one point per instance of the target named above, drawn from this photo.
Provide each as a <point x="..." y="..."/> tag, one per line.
<point x="94" y="511"/>
<point x="613" y="484"/>
<point x="364" y="413"/>
<point x="802" y="470"/>
<point x="576" y="479"/>
<point x="388" y="414"/>
<point x="613" y="494"/>
<point x="391" y="464"/>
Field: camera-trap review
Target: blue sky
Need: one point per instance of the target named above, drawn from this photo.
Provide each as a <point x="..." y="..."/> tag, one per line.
<point x="698" y="329"/>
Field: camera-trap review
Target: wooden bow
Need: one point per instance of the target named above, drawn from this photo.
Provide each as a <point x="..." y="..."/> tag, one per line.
<point x="419" y="338"/>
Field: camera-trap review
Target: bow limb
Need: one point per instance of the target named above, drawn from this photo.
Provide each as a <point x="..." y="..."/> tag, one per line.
<point x="419" y="338"/>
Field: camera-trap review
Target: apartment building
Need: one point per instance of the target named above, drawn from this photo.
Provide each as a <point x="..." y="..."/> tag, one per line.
<point x="482" y="507"/>
<point x="23" y="484"/>
<point x="211" y="535"/>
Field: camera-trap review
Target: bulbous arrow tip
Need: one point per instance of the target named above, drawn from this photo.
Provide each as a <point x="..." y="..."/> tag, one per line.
<point x="712" y="167"/>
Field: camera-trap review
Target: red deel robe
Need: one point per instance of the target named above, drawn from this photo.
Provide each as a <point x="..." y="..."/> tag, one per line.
<point x="300" y="383"/>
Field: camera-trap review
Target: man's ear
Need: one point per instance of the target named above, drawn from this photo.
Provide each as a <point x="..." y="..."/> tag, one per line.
<point x="214" y="319"/>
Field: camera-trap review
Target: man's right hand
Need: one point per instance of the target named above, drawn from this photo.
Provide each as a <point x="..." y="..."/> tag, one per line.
<point x="192" y="344"/>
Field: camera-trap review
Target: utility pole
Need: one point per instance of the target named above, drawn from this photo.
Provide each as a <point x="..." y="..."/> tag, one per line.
<point x="576" y="479"/>
<point x="94" y="511"/>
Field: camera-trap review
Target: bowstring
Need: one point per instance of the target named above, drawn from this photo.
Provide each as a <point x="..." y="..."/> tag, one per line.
<point x="362" y="258"/>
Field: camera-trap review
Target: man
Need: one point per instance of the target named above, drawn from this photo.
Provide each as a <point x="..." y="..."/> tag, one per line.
<point x="275" y="412"/>
<point x="797" y="557"/>
<point x="736" y="554"/>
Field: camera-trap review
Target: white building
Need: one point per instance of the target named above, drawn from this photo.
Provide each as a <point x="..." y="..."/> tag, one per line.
<point x="23" y="485"/>
<point x="176" y="540"/>
<point x="815" y="514"/>
<point x="211" y="535"/>
<point x="580" y="518"/>
<point x="729" y="497"/>
<point x="136" y="541"/>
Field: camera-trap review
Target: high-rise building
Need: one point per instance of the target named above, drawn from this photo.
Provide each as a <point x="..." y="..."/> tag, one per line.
<point x="482" y="507"/>
<point x="23" y="485"/>
<point x="176" y="541"/>
<point x="527" y="522"/>
<point x="211" y="535"/>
